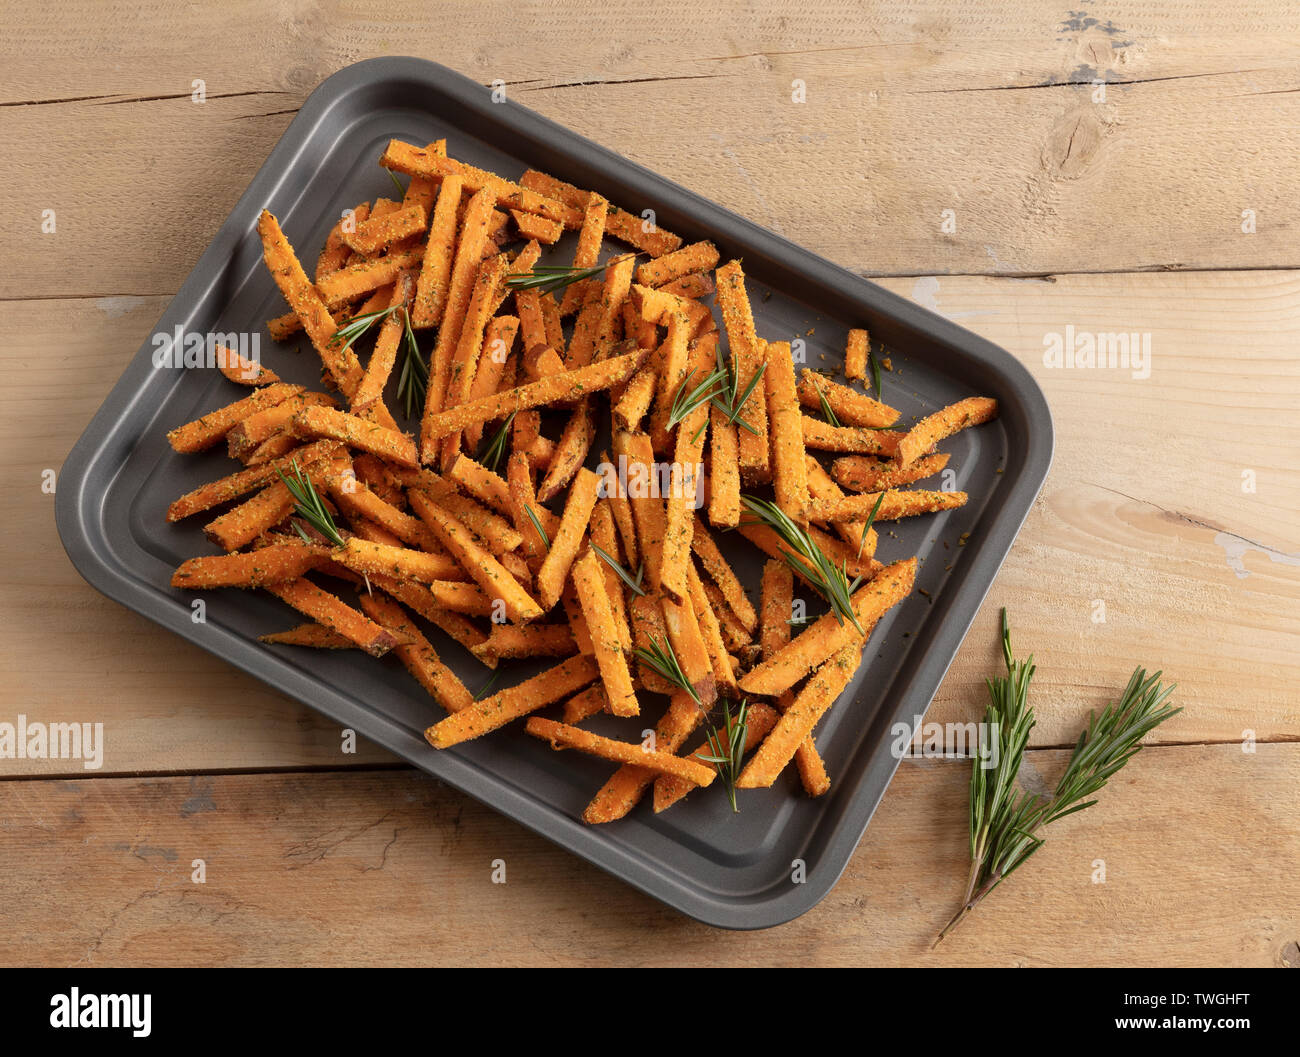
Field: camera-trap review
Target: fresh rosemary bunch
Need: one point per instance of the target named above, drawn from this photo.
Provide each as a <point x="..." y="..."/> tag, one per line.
<point x="807" y="559"/>
<point x="726" y="743"/>
<point x="1004" y="822"/>
<point x="548" y="277"/>
<point x="309" y="506"/>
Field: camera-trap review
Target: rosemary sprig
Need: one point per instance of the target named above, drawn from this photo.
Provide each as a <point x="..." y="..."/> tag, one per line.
<point x="830" y="580"/>
<point x="1004" y="822"/>
<point x="537" y="524"/>
<point x="727" y="746"/>
<point x="866" y="525"/>
<point x="548" y="277"/>
<point x="874" y="361"/>
<point x="687" y="399"/>
<point x="309" y="506"/>
<point x="632" y="582"/>
<point x="828" y="412"/>
<point x="727" y="401"/>
<point x="414" y="377"/>
<point x="413" y="382"/>
<point x="661" y="658"/>
<point x="397" y="183"/>
<point x="353" y="328"/>
<point x="496" y="447"/>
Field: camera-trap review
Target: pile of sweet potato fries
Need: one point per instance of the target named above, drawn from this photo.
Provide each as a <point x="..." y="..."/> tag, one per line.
<point x="495" y="528"/>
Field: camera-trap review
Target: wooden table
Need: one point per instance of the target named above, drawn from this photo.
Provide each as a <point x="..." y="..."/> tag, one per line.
<point x="1129" y="171"/>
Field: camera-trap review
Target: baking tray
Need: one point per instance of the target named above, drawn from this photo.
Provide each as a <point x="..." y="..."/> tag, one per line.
<point x="728" y="870"/>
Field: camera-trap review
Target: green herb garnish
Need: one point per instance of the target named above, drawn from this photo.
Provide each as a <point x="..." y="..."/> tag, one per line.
<point x="537" y="524"/>
<point x="866" y="525"/>
<point x="663" y="660"/>
<point x="496" y="447"/>
<point x="413" y="382"/>
<point x="727" y="745"/>
<point x="828" y="412"/>
<point x="831" y="581"/>
<point x="624" y="575"/>
<point x="548" y="277"/>
<point x="309" y="506"/>
<point x="1004" y="822"/>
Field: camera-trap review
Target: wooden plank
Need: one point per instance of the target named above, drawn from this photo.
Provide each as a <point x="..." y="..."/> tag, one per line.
<point x="393" y="868"/>
<point x="992" y="117"/>
<point x="1144" y="509"/>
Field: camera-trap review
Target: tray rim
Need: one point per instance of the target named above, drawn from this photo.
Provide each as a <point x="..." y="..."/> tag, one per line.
<point x="76" y="509"/>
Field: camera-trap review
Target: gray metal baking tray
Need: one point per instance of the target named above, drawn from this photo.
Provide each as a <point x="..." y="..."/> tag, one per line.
<point x="732" y="871"/>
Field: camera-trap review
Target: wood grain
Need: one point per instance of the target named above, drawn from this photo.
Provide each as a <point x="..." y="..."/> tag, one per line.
<point x="909" y="112"/>
<point x="392" y="868"/>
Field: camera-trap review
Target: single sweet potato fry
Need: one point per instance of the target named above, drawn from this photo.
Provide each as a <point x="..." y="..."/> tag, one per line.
<point x="972" y="411"/>
<point x="327" y="609"/>
<point x="266" y="565"/>
<point x="607" y="645"/>
<point x="862" y="473"/>
<point x="894" y="505"/>
<point x="204" y="432"/>
<point x="855" y="355"/>
<point x="849" y="406"/>
<point x="565" y="737"/>
<point x="419" y="656"/>
<point x="566" y="540"/>
<point x="496" y="711"/>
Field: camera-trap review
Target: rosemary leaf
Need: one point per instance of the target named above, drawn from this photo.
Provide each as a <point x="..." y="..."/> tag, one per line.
<point x="828" y="412"/>
<point x="413" y="381"/>
<point x="537" y="524"/>
<point x="866" y="525"/>
<point x="875" y="374"/>
<point x="624" y="575"/>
